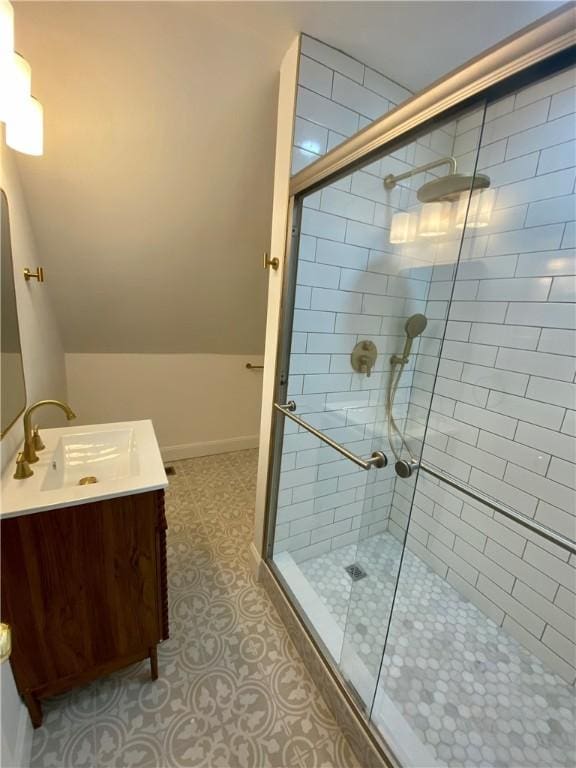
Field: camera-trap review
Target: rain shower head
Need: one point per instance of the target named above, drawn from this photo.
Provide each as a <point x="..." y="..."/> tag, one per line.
<point x="448" y="187"/>
<point x="451" y="187"/>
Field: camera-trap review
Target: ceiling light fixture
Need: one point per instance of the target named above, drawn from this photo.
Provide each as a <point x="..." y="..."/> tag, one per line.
<point x="21" y="112"/>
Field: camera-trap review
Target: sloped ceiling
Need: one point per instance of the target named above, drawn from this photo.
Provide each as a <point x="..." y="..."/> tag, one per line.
<point x="151" y="205"/>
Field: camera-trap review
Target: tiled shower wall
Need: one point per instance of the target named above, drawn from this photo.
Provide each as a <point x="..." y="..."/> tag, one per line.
<point x="347" y="289"/>
<point x="503" y="417"/>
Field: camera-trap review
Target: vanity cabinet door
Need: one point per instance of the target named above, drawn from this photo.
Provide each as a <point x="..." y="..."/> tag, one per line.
<point x="84" y="590"/>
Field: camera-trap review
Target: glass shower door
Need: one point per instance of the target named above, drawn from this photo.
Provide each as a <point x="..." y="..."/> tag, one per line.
<point x="352" y="387"/>
<point x="480" y="657"/>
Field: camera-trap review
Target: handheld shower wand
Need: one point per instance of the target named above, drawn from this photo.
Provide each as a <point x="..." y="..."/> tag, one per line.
<point x="414" y="326"/>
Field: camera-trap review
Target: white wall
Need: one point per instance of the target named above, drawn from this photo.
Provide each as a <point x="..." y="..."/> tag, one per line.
<point x="45" y="378"/>
<point x="200" y="404"/>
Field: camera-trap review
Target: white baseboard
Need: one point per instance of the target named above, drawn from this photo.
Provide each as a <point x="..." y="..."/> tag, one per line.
<point x="208" y="448"/>
<point x="256" y="560"/>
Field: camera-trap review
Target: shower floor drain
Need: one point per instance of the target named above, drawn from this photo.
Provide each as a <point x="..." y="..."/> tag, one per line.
<point x="355" y="571"/>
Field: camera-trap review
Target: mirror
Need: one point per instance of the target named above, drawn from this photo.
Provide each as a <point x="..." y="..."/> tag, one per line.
<point x="12" y="387"/>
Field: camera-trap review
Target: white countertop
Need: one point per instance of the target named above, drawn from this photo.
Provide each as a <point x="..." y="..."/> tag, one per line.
<point x="22" y="497"/>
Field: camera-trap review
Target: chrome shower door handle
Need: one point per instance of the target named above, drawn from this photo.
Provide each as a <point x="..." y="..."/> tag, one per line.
<point x="378" y="459"/>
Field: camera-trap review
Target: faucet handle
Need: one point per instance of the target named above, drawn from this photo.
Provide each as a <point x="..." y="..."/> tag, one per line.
<point x="37" y="440"/>
<point x="22" y="468"/>
<point x="366" y="364"/>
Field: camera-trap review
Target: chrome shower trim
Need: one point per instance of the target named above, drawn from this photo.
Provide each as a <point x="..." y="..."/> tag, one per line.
<point x="541" y="40"/>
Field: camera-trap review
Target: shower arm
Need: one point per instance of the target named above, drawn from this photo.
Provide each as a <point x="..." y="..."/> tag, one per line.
<point x="391" y="180"/>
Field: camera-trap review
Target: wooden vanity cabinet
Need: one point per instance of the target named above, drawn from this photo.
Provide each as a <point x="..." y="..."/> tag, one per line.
<point x="84" y="590"/>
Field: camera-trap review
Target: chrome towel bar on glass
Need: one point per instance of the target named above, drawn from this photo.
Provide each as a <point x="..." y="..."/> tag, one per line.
<point x="377" y="460"/>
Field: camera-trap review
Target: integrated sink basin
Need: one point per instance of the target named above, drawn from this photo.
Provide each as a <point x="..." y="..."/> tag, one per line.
<point x="80" y="465"/>
<point x="94" y="456"/>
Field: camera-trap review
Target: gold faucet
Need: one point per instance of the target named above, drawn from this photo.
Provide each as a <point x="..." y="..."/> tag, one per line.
<point x="32" y="440"/>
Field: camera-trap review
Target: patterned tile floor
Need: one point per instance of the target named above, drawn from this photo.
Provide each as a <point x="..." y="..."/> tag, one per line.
<point x="232" y="689"/>
<point x="473" y="694"/>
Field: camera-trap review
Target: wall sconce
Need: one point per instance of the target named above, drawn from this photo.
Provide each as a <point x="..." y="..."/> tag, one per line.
<point x="24" y="129"/>
<point x="21" y="112"/>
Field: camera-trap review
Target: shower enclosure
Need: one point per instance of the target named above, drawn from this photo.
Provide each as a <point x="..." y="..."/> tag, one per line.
<point x="421" y="501"/>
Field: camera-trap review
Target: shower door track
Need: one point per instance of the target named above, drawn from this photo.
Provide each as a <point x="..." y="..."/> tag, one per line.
<point x="527" y="522"/>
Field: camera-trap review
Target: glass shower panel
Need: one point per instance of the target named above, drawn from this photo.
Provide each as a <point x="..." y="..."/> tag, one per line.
<point x="420" y="271"/>
<point x="480" y="661"/>
<point x="368" y="249"/>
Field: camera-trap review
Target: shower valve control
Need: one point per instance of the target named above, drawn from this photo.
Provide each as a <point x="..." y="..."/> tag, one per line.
<point x="364" y="356"/>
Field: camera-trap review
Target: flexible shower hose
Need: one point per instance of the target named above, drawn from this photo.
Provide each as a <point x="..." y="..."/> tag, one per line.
<point x="393" y="383"/>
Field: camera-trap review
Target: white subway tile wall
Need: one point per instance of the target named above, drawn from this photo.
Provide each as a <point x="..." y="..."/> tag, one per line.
<point x="326" y="502"/>
<point x="351" y="284"/>
<point x="505" y="423"/>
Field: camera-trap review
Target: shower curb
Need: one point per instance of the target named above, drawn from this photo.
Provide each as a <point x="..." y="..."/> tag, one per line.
<point x="363" y="742"/>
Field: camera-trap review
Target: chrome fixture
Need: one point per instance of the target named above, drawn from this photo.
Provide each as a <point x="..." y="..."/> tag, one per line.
<point x="38" y="275"/>
<point x="364" y="356"/>
<point x="268" y="262"/>
<point x="448" y="187"/>
<point x="377" y="460"/>
<point x="252" y="367"/>
<point x="413" y="327"/>
<point x="32" y="438"/>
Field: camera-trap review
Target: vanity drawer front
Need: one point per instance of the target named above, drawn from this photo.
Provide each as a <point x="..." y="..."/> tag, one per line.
<point x="81" y="588"/>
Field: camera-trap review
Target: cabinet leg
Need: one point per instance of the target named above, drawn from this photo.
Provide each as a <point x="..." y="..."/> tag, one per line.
<point x="34" y="709"/>
<point x="154" y="662"/>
